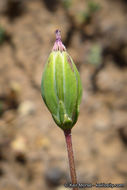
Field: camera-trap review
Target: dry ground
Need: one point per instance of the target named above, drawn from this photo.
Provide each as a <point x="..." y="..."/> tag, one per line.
<point x="32" y="148"/>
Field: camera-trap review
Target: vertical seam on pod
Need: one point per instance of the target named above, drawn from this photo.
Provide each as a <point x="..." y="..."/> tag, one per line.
<point x="75" y="76"/>
<point x="63" y="77"/>
<point x="54" y="80"/>
<point x="76" y="82"/>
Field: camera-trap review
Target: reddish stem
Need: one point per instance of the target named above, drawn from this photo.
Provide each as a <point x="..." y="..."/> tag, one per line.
<point x="67" y="134"/>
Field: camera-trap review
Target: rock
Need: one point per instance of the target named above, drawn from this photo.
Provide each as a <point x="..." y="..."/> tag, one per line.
<point x="42" y="142"/>
<point x="26" y="108"/>
<point x="15" y="86"/>
<point x="54" y="176"/>
<point x="19" y="144"/>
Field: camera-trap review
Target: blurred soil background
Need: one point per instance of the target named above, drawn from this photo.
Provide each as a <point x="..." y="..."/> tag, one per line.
<point x="32" y="148"/>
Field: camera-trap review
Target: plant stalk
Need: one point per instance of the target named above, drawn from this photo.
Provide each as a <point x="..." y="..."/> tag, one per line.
<point x="68" y="139"/>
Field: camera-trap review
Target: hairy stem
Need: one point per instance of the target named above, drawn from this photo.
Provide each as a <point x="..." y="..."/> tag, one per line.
<point x="67" y="134"/>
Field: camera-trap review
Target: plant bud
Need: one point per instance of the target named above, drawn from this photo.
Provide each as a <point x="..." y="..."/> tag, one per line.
<point x="61" y="87"/>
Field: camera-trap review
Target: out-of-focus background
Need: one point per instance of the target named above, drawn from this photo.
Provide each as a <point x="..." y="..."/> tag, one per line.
<point x="32" y="148"/>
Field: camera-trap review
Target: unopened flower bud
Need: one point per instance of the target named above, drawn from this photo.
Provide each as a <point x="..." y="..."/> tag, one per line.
<point x="61" y="86"/>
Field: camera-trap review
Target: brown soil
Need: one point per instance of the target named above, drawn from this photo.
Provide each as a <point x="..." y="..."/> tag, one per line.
<point x="31" y="145"/>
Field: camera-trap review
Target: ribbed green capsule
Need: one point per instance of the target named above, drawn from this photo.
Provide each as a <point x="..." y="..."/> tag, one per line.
<point x="61" y="87"/>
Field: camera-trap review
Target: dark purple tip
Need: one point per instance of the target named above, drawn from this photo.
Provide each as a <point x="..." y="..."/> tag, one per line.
<point x="58" y="45"/>
<point x="58" y="36"/>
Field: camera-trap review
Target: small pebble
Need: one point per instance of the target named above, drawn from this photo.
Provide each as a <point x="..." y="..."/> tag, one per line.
<point x="19" y="144"/>
<point x="26" y="108"/>
<point x="43" y="142"/>
<point x="54" y="176"/>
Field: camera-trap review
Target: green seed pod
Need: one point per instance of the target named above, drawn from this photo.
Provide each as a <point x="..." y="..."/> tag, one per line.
<point x="61" y="87"/>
